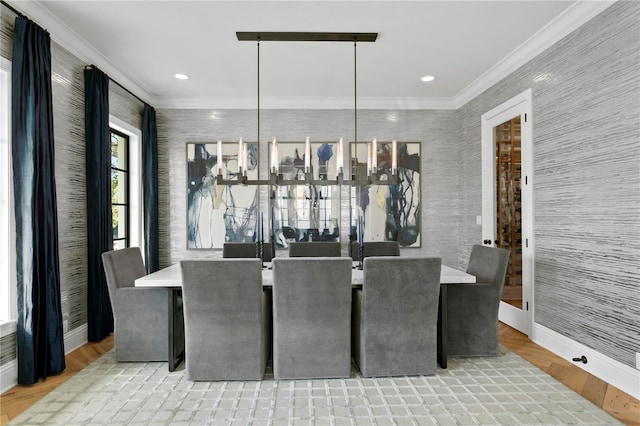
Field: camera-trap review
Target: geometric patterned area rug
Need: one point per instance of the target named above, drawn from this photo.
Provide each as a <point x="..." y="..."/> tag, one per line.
<point x="506" y="390"/>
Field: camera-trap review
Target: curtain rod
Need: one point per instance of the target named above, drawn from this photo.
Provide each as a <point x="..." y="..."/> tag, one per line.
<point x="22" y="15"/>
<point x="114" y="81"/>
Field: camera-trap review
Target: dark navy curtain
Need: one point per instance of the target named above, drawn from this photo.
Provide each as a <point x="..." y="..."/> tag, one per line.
<point x="150" y="187"/>
<point x="99" y="226"/>
<point x="40" y="336"/>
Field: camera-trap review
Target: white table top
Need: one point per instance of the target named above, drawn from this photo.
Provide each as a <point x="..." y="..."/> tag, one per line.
<point x="172" y="277"/>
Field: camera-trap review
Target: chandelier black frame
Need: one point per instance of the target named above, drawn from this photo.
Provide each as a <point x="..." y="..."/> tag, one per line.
<point x="274" y="178"/>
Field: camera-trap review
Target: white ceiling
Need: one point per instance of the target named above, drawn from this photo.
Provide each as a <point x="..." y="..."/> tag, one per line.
<point x="465" y="44"/>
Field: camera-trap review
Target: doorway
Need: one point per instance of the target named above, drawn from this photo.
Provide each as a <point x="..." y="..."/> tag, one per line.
<point x="507" y="142"/>
<point x="507" y="200"/>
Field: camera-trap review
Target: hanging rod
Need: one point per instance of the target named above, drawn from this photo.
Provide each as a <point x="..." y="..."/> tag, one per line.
<point x="305" y="36"/>
<point x="22" y="15"/>
<point x="92" y="66"/>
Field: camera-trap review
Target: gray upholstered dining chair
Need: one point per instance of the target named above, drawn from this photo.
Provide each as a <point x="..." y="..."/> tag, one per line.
<point x="240" y="250"/>
<point x="141" y="315"/>
<point x="247" y="250"/>
<point x="472" y="309"/>
<point x="395" y="316"/>
<point x="227" y="319"/>
<point x="374" y="248"/>
<point x="315" y="249"/>
<point x="311" y="317"/>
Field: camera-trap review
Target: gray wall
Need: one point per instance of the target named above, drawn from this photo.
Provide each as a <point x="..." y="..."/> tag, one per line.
<point x="436" y="130"/>
<point x="68" y="121"/>
<point x="587" y="174"/>
<point x="586" y="137"/>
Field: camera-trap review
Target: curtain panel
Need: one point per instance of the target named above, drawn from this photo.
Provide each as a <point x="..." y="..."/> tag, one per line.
<point x="40" y="337"/>
<point x="99" y="225"/>
<point x="150" y="188"/>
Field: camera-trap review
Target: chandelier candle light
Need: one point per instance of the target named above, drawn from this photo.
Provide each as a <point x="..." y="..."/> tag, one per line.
<point x="274" y="177"/>
<point x="275" y="161"/>
<point x="307" y="156"/>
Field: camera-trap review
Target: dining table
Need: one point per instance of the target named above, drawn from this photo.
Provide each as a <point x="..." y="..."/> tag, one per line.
<point x="171" y="278"/>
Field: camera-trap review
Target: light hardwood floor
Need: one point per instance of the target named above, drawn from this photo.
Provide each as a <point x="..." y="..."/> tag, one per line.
<point x="612" y="400"/>
<point x="20" y="397"/>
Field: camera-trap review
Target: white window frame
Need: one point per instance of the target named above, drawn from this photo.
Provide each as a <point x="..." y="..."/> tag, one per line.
<point x="8" y="285"/>
<point x="136" y="213"/>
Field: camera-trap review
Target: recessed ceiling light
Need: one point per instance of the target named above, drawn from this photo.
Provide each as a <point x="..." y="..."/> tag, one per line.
<point x="428" y="78"/>
<point x="181" y="76"/>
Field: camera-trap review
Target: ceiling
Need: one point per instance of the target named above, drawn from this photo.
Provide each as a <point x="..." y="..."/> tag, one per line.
<point x="464" y="44"/>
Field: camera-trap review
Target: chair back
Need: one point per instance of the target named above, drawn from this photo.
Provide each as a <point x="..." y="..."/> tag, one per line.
<point x="122" y="267"/>
<point x="395" y="319"/>
<point x="268" y="252"/>
<point x="140" y="314"/>
<point x="489" y="265"/>
<point x="473" y="309"/>
<point x="311" y="317"/>
<point x="248" y="251"/>
<point x="315" y="249"/>
<point x="224" y="314"/>
<point x="375" y="248"/>
<point x="240" y="250"/>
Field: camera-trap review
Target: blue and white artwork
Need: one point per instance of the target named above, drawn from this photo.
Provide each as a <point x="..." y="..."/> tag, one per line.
<point x="220" y="213"/>
<point x="305" y="212"/>
<point x="389" y="212"/>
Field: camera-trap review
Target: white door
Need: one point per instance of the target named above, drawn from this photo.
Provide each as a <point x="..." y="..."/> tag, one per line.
<point x="507" y="202"/>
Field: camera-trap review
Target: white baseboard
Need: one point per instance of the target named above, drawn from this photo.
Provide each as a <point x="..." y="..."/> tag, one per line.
<point x="76" y="338"/>
<point x="8" y="375"/>
<point x="620" y="375"/>
<point x="72" y="341"/>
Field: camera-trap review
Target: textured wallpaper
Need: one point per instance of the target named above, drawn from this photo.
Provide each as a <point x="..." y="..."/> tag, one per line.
<point x="435" y="130"/>
<point x="586" y="137"/>
<point x="68" y="122"/>
<point x="68" y="128"/>
<point x="586" y="132"/>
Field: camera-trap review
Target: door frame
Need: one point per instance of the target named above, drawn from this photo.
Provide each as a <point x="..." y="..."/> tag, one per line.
<point x="518" y="105"/>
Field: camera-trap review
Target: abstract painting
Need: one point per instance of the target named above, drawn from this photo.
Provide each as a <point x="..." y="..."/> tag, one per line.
<point x="389" y="212"/>
<point x="220" y="213"/>
<point x="306" y="212"/>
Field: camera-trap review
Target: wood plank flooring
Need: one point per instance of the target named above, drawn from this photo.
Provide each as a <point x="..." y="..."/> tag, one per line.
<point x="20" y="397"/>
<point x="617" y="403"/>
<point x="611" y="399"/>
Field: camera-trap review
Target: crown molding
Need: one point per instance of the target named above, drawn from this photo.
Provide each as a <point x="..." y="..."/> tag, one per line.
<point x="576" y="15"/>
<point x="572" y="18"/>
<point x="307" y="103"/>
<point x="76" y="45"/>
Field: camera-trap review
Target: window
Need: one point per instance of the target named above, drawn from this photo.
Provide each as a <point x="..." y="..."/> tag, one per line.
<point x="8" y="304"/>
<point x="126" y="163"/>
<point x="120" y="189"/>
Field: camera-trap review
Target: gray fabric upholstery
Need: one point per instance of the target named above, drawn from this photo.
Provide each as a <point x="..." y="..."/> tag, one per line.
<point x="140" y="314"/>
<point x="239" y="250"/>
<point x="375" y="248"/>
<point x="395" y="315"/>
<point x="247" y="251"/>
<point x="268" y="252"/>
<point x="315" y="249"/>
<point x="227" y="319"/>
<point x="472" y="309"/>
<point x="311" y="317"/>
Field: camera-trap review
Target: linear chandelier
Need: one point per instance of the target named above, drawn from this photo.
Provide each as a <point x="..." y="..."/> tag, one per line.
<point x="372" y="147"/>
